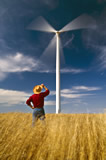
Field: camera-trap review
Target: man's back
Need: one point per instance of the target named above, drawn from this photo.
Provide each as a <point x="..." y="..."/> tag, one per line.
<point x="38" y="99"/>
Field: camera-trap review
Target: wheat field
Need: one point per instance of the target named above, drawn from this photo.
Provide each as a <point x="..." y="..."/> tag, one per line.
<point x="63" y="137"/>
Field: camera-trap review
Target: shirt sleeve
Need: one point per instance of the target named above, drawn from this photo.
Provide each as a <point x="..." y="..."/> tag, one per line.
<point x="46" y="93"/>
<point x="29" y="100"/>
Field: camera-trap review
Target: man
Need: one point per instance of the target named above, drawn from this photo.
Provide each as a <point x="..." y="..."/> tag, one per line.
<point x="38" y="103"/>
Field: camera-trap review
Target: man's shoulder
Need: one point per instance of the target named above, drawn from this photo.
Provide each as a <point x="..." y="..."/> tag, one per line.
<point x="33" y="95"/>
<point x="45" y="93"/>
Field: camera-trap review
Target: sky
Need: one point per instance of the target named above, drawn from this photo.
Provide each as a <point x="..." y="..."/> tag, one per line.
<point x="28" y="56"/>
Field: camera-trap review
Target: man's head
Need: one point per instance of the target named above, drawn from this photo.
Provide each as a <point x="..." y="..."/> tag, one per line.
<point x="37" y="89"/>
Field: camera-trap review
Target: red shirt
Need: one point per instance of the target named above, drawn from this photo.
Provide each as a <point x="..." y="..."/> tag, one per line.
<point x="38" y="99"/>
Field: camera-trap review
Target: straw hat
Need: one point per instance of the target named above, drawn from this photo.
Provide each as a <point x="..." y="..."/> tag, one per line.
<point x="37" y="89"/>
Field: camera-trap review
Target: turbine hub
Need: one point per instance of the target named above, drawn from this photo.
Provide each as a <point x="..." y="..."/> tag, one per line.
<point x="57" y="32"/>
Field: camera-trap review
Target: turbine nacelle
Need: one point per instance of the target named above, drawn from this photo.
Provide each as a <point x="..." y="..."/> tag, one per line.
<point x="58" y="32"/>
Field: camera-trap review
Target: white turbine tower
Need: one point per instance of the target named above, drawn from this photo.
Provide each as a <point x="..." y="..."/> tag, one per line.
<point x="40" y="24"/>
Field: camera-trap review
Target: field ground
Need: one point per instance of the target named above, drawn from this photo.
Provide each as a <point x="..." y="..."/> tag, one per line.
<point x="63" y="137"/>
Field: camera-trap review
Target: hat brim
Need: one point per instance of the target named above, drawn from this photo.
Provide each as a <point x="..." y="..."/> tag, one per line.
<point x="35" y="91"/>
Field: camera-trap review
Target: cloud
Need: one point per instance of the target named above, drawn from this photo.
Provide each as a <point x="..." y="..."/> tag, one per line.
<point x="52" y="93"/>
<point x="67" y="91"/>
<point x="74" y="95"/>
<point x="102" y="57"/>
<point x="72" y="70"/>
<point x="85" y="88"/>
<point x="68" y="43"/>
<point x="51" y="3"/>
<point x="77" y="89"/>
<point x="13" y="97"/>
<point x="2" y="76"/>
<point x="22" y="63"/>
<point x="10" y="98"/>
<point x="51" y="103"/>
<point x="16" y="63"/>
<point x="63" y="70"/>
<point x="76" y="92"/>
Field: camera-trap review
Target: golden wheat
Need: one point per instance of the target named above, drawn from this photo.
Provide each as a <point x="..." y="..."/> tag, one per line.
<point x="64" y="137"/>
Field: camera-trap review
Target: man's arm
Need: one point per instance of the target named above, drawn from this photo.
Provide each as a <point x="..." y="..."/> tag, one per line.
<point x="31" y="106"/>
<point x="47" y="90"/>
<point x="28" y="102"/>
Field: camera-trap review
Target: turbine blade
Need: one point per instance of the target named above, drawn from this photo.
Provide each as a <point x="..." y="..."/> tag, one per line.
<point x="83" y="21"/>
<point x="49" y="55"/>
<point x="40" y="24"/>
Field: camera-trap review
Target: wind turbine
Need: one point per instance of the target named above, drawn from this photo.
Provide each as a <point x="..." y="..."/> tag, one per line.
<point x="40" y="24"/>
